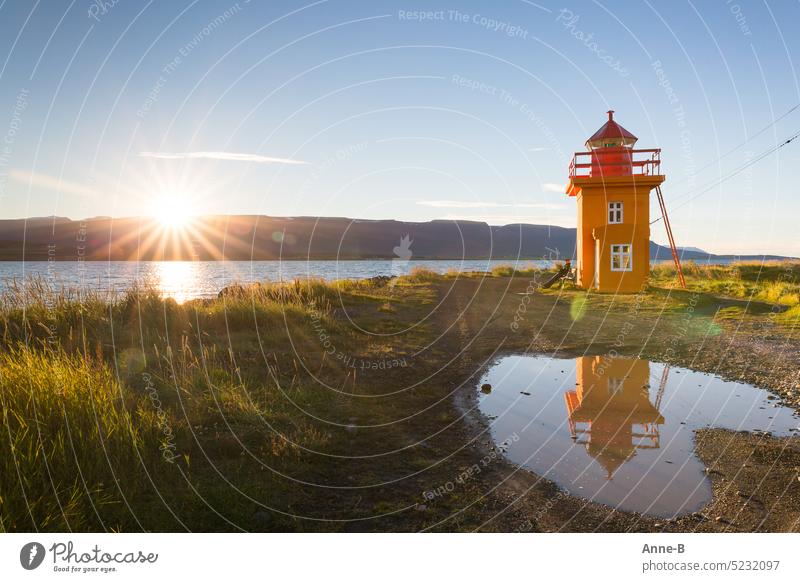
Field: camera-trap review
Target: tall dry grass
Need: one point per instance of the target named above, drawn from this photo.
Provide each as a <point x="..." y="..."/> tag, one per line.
<point x="95" y="387"/>
<point x="74" y="442"/>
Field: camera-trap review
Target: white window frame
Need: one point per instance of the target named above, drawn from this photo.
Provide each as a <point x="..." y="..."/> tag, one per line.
<point x="615" y="212"/>
<point x="618" y="251"/>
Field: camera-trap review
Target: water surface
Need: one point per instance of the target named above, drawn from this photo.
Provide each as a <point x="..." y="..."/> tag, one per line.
<point x="620" y="431"/>
<point x="184" y="280"/>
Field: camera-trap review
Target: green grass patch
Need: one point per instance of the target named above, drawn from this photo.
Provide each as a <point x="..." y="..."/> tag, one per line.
<point x="775" y="282"/>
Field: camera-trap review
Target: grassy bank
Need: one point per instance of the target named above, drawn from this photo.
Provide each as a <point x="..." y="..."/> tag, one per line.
<point x="313" y="405"/>
<point x="772" y="282"/>
<point x="116" y="410"/>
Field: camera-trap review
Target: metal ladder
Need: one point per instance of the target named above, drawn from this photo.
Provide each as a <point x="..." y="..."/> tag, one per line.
<point x="672" y="246"/>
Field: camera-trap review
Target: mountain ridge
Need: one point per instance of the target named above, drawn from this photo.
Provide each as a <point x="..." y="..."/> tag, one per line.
<point x="258" y="237"/>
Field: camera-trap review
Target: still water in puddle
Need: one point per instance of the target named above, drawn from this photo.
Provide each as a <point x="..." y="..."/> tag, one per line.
<point x="620" y="431"/>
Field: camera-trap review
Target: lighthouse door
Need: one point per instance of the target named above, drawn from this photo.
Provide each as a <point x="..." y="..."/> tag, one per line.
<point x="596" y="280"/>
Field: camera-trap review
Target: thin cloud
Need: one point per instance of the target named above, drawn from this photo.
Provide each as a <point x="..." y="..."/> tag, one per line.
<point x="479" y="204"/>
<point x="504" y="219"/>
<point x="47" y="182"/>
<point x="226" y="156"/>
<point x="554" y="187"/>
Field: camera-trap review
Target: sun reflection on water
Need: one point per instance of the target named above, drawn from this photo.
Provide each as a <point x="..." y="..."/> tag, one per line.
<point x="177" y="279"/>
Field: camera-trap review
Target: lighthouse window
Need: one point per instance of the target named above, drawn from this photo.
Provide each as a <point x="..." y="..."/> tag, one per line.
<point x="615" y="385"/>
<point x="621" y="258"/>
<point x="615" y="213"/>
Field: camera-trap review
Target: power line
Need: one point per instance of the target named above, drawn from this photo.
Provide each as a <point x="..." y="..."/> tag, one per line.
<point x="737" y="171"/>
<point x="738" y="147"/>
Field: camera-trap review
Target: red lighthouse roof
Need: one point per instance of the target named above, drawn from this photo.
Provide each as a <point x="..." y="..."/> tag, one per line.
<point x="611" y="134"/>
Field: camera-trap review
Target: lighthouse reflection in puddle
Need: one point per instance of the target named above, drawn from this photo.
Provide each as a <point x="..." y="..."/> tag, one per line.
<point x="610" y="410"/>
<point x="619" y="431"/>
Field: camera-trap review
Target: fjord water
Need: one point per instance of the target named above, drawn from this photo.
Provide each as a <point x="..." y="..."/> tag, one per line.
<point x="620" y="431"/>
<point x="185" y="280"/>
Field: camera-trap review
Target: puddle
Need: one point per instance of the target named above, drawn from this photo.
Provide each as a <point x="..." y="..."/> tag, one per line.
<point x="619" y="431"/>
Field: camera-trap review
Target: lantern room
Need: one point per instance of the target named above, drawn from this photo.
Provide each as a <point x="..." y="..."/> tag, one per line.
<point x="611" y="147"/>
<point x="611" y="182"/>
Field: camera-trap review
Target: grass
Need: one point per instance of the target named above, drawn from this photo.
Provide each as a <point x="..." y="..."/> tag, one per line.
<point x="116" y="407"/>
<point x="74" y="441"/>
<point x="511" y="271"/>
<point x="772" y="282"/>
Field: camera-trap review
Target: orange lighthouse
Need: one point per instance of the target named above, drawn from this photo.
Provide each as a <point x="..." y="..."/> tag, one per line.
<point x="611" y="183"/>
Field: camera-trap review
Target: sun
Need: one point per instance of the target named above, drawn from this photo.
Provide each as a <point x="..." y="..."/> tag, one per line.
<point x="171" y="210"/>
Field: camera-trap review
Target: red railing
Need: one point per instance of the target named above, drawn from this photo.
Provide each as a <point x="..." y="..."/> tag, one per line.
<point x="640" y="162"/>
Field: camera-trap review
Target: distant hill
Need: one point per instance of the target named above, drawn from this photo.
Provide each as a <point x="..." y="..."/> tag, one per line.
<point x="244" y="237"/>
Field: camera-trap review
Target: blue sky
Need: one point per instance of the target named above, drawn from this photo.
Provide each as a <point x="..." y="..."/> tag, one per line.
<point x="405" y="110"/>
